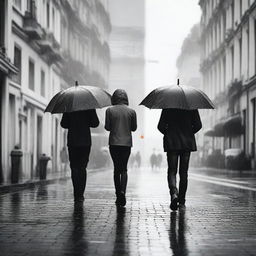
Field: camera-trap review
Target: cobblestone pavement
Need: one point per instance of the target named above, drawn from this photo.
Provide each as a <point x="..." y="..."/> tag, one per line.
<point x="219" y="219"/>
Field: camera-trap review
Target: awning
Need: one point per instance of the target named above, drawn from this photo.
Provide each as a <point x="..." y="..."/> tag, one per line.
<point x="209" y="132"/>
<point x="219" y="129"/>
<point x="233" y="125"/>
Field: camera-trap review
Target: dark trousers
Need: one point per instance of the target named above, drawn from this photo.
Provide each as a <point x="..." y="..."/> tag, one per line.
<point x="79" y="157"/>
<point x="172" y="159"/>
<point x="120" y="156"/>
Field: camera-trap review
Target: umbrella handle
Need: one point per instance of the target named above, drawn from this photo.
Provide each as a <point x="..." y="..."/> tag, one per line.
<point x="178" y="81"/>
<point x="76" y="83"/>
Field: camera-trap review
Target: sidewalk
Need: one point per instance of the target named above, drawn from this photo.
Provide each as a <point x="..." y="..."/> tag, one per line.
<point x="51" y="178"/>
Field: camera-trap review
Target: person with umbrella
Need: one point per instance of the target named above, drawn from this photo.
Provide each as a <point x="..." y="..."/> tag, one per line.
<point x="120" y="121"/>
<point x="78" y="104"/>
<point x="178" y="127"/>
<point x="178" y="123"/>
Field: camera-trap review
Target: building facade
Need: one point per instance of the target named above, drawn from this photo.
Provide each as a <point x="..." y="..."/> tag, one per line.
<point x="188" y="62"/>
<point x="228" y="67"/>
<point x="52" y="44"/>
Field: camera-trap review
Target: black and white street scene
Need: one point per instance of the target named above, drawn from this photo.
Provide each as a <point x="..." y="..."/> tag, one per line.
<point x="127" y="127"/>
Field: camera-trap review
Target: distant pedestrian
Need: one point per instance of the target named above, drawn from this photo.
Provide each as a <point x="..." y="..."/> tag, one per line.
<point x="120" y="121"/>
<point x="153" y="160"/>
<point x="64" y="159"/>
<point x="179" y="127"/>
<point x="79" y="145"/>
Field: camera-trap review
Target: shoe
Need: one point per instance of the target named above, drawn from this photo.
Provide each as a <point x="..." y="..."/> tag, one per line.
<point x="174" y="202"/>
<point x="182" y="207"/>
<point x="122" y="200"/>
<point x="117" y="202"/>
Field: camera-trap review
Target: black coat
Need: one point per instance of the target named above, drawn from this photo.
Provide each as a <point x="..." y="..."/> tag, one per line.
<point x="179" y="127"/>
<point x="78" y="125"/>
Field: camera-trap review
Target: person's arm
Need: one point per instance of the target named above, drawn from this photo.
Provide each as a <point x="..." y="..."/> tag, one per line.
<point x="196" y="122"/>
<point x="65" y="121"/>
<point x="134" y="122"/>
<point x="107" y="120"/>
<point x="94" y="120"/>
<point x="162" y="125"/>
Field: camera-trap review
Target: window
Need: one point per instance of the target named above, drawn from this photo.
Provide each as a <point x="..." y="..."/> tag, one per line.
<point x="233" y="14"/>
<point x="53" y="20"/>
<point x="241" y="8"/>
<point x="48" y="14"/>
<point x="248" y="51"/>
<point x="255" y="45"/>
<point x="31" y="78"/>
<point x="240" y="57"/>
<point x="42" y="89"/>
<point x="17" y="64"/>
<point x="17" y="4"/>
<point x="232" y="62"/>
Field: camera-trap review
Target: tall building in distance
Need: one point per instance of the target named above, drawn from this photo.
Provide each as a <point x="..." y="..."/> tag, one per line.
<point x="188" y="62"/>
<point x="228" y="66"/>
<point x="45" y="46"/>
<point x="127" y="40"/>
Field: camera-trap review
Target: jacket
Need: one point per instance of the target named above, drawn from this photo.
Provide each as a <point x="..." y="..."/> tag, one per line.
<point x="120" y="120"/>
<point x="179" y="127"/>
<point x="78" y="125"/>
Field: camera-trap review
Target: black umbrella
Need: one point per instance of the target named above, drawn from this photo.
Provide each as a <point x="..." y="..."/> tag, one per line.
<point x="79" y="97"/>
<point x="177" y="96"/>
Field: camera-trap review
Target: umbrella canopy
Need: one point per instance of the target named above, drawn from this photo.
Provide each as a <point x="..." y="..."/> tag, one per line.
<point x="176" y="96"/>
<point x="79" y="97"/>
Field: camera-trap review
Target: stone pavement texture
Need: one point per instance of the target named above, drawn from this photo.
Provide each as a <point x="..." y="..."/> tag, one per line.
<point x="218" y="220"/>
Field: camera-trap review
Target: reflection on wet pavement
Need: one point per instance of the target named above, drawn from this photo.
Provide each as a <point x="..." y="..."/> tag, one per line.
<point x="218" y="220"/>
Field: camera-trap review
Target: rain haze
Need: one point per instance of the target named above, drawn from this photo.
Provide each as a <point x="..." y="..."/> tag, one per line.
<point x="85" y="169"/>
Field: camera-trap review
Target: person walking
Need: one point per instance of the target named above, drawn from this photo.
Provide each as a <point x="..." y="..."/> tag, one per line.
<point x="178" y="127"/>
<point x="78" y="124"/>
<point x="120" y="121"/>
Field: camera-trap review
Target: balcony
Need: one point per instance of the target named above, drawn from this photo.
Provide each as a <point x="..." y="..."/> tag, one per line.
<point x="235" y="88"/>
<point x="30" y="24"/>
<point x="50" y="48"/>
<point x="5" y="63"/>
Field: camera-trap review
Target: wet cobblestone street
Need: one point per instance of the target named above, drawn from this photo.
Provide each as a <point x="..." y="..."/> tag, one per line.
<point x="219" y="219"/>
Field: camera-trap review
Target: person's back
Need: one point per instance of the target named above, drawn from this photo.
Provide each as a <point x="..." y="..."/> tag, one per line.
<point x="121" y="125"/>
<point x="179" y="127"/>
<point x="78" y="125"/>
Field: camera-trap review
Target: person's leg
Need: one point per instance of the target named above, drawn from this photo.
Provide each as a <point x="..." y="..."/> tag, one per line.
<point x="78" y="157"/>
<point x="84" y="159"/>
<point x="183" y="172"/>
<point x="114" y="152"/>
<point x="73" y="159"/>
<point x="124" y="157"/>
<point x="172" y="160"/>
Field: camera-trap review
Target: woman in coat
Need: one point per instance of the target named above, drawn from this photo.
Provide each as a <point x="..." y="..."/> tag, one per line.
<point x="120" y="121"/>
<point x="178" y="127"/>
